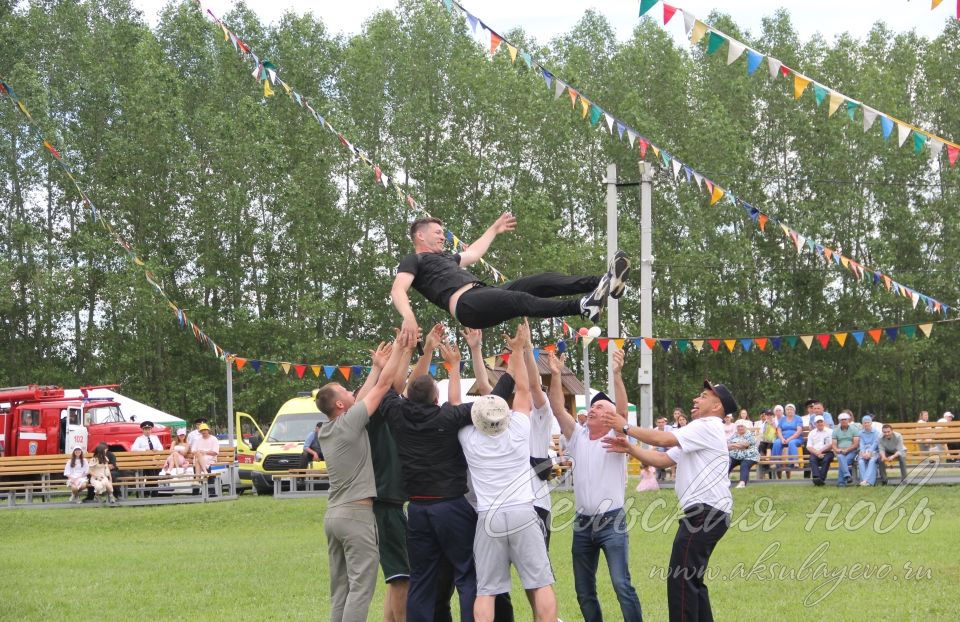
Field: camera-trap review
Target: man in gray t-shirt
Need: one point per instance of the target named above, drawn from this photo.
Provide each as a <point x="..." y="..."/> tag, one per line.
<point x="349" y="523"/>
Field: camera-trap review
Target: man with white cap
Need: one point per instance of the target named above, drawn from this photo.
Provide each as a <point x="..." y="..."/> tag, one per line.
<point x="867" y="458"/>
<point x="699" y="451"/>
<point x="846" y="443"/>
<point x="820" y="448"/>
<point x="497" y="449"/>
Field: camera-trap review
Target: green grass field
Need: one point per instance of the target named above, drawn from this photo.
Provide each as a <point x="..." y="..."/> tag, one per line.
<point x="260" y="558"/>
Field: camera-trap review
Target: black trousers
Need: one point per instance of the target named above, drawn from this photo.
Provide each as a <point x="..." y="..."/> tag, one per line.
<point x="700" y="529"/>
<point x="502" y="605"/>
<point x="819" y="467"/>
<point x="486" y="306"/>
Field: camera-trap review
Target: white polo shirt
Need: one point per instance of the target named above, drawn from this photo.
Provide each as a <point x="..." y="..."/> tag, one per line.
<point x="702" y="464"/>
<point x="599" y="476"/>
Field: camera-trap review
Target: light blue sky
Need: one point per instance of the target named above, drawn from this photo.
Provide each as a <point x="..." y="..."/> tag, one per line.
<point x="545" y="19"/>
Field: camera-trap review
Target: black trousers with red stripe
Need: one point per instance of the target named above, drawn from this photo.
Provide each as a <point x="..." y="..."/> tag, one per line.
<point x="700" y="529"/>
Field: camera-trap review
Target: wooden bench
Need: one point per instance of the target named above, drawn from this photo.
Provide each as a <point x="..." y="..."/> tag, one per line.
<point x="300" y="483"/>
<point x="40" y="478"/>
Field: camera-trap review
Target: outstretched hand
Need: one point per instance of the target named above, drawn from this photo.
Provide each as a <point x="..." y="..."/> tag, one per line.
<point x="506" y="222"/>
<point x="450" y="354"/>
<point x="473" y="337"/>
<point x="519" y="339"/>
<point x="613" y="420"/>
<point x="381" y="355"/>
<point x="434" y="338"/>
<point x="616" y="444"/>
<point x="556" y="363"/>
<point x="617" y="360"/>
<point x="410" y="329"/>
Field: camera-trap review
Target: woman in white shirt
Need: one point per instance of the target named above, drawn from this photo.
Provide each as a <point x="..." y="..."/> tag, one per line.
<point x="76" y="471"/>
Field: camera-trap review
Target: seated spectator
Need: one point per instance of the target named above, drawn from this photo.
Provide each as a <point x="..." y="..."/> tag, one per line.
<point x="114" y="473"/>
<point x="100" y="477"/>
<point x="176" y="463"/>
<point x="867" y="458"/>
<point x="846" y="443"/>
<point x="820" y="448"/>
<point x="76" y="471"/>
<point x="204" y="449"/>
<point x="951" y="447"/>
<point x="728" y="426"/>
<point x="768" y="432"/>
<point x="789" y="438"/>
<point x="890" y="447"/>
<point x="743" y="451"/>
<point x="180" y="438"/>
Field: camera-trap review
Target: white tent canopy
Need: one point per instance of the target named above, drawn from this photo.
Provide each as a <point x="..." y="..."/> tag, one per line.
<point x="133" y="410"/>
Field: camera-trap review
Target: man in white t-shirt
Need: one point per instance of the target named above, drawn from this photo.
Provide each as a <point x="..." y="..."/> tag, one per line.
<point x="599" y="481"/>
<point x="699" y="451"/>
<point x="497" y="449"/>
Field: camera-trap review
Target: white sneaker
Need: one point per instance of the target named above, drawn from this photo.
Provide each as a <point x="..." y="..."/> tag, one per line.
<point x="73" y="497"/>
<point x="618" y="270"/>
<point x="592" y="304"/>
<point x="742" y="485"/>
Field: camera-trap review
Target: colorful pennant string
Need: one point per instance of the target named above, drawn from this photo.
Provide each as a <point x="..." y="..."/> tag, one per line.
<point x="264" y="71"/>
<point x="716" y="39"/>
<point x="714" y="191"/>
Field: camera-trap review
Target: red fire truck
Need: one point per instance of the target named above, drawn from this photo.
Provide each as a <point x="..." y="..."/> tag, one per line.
<point x="39" y="420"/>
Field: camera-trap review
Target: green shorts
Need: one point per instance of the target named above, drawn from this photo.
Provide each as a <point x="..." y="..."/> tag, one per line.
<point x="392" y="529"/>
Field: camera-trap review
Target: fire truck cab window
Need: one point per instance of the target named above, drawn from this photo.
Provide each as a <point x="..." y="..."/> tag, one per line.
<point x="30" y="417"/>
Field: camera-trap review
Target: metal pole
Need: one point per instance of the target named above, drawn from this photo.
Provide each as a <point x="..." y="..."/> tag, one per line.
<point x="645" y="374"/>
<point x="613" y="305"/>
<point x="586" y="373"/>
<point x="231" y="436"/>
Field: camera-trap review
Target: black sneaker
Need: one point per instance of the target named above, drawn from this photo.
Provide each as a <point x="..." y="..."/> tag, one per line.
<point x="618" y="270"/>
<point x="592" y="304"/>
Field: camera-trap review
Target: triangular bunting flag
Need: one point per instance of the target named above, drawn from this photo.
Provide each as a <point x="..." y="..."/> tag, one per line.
<point x="909" y="331"/>
<point x="240" y="362"/>
<point x="696" y="34"/>
<point x="886" y="125"/>
<point x="824" y="340"/>
<point x="892" y="333"/>
<point x="774" y="66"/>
<point x="869" y="116"/>
<point x="255" y="364"/>
<point x="858" y="336"/>
<point x="328" y="371"/>
<point x="513" y="53"/>
<point x="603" y="342"/>
<point x="841" y="338"/>
<point x="714" y="41"/>
<point x="697" y="344"/>
<point x="919" y="140"/>
<point x="761" y="342"/>
<point x="800" y="84"/>
<point x="345" y="371"/>
<point x="668" y="12"/>
<point x="875" y="334"/>
<point x="646" y="5"/>
<point x="665" y="344"/>
<point x="775" y="342"/>
<point x="952" y="152"/>
<point x="316" y="370"/>
<point x="650" y="341"/>
<point x="271" y="367"/>
<point x="716" y="195"/>
<point x="819" y="93"/>
<point x="807" y="340"/>
<point x="747" y="344"/>
<point x="754" y="59"/>
<point x="851" y="109"/>
<point x="792" y="341"/>
<point x="619" y="342"/>
<point x="835" y="100"/>
<point x="299" y="369"/>
<point x="730" y="343"/>
<point x="688" y="23"/>
<point x="682" y="345"/>
<point x="735" y="50"/>
<point x="902" y="132"/>
<point x="494" y="42"/>
<point x="714" y="343"/>
<point x="285" y="367"/>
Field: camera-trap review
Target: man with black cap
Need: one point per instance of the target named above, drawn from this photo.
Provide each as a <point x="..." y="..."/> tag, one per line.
<point x="699" y="451"/>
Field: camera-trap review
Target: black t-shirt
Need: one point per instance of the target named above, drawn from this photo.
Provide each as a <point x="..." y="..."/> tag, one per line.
<point x="432" y="459"/>
<point x="386" y="459"/>
<point x="436" y="275"/>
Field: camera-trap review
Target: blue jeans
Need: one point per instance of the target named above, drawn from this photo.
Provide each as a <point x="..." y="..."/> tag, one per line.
<point x="868" y="469"/>
<point x="606" y="532"/>
<point x="843" y="467"/>
<point x="792" y="446"/>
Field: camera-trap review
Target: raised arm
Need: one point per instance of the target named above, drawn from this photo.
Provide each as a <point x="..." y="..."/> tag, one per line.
<point x="402" y="349"/>
<point x="401" y="301"/>
<point x="619" y="389"/>
<point x="451" y="357"/>
<point x="379" y="358"/>
<point x="656" y="438"/>
<point x="474" y="339"/>
<point x="516" y="367"/>
<point x="432" y="341"/>
<point x="473" y="253"/>
<point x="565" y="419"/>
<point x="649" y="457"/>
<point x="537" y="396"/>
